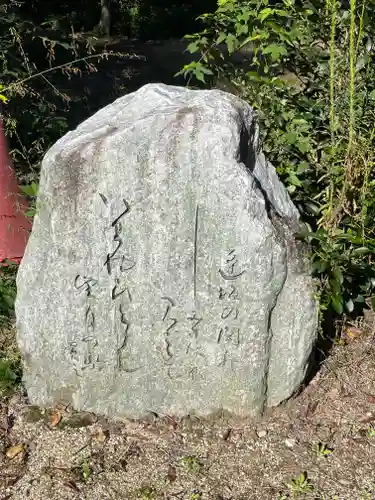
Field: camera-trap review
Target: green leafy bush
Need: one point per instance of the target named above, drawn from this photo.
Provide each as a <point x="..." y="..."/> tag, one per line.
<point x="41" y="80"/>
<point x="311" y="79"/>
<point x="10" y="377"/>
<point x="157" y="19"/>
<point x="31" y="105"/>
<point x="10" y="361"/>
<point x="7" y="291"/>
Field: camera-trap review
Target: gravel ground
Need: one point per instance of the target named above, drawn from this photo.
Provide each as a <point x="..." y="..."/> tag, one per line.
<point x="319" y="445"/>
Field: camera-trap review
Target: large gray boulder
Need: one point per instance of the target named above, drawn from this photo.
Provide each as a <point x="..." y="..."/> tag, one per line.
<point x="162" y="273"/>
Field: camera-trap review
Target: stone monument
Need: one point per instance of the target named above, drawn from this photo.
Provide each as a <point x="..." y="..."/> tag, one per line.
<point x="162" y="273"/>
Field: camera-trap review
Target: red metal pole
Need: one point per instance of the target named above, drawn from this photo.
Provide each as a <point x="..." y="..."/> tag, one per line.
<point x="14" y="225"/>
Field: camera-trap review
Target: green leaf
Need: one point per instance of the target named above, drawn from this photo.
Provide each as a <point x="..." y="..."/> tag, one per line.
<point x="349" y="305"/>
<point x="205" y="70"/>
<point x="369" y="44"/>
<point x="319" y="266"/>
<point x="304" y="145"/>
<point x="312" y="208"/>
<point x="299" y="121"/>
<point x="35" y="188"/>
<point x="197" y="69"/>
<point x="245" y="15"/>
<point x="199" y="75"/>
<point x="28" y="190"/>
<point x="315" y="236"/>
<point x="293" y="179"/>
<point x="337" y="274"/>
<point x="291" y="137"/>
<point x="282" y="13"/>
<point x="9" y="301"/>
<point x="335" y="286"/>
<point x="362" y="61"/>
<point x="263" y="14"/>
<point x="231" y="42"/>
<point x="276" y="51"/>
<point x="222" y="36"/>
<point x="337" y="304"/>
<point x="242" y="29"/>
<point x="254" y="76"/>
<point x="361" y="251"/>
<point x="193" y="47"/>
<point x="373" y="303"/>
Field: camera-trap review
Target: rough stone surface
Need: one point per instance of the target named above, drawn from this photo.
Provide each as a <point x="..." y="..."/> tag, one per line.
<point x="162" y="273"/>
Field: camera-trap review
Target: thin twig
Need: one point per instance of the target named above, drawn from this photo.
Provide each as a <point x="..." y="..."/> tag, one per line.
<point x="60" y="66"/>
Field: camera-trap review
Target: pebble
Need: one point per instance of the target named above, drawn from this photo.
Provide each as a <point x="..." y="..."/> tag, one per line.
<point x="290" y="443"/>
<point x="262" y="433"/>
<point x="345" y="482"/>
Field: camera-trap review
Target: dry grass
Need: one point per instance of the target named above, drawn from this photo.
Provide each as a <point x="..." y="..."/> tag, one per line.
<point x="71" y="456"/>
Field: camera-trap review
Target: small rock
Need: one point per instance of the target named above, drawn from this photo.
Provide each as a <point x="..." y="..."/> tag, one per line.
<point x="290" y="442"/>
<point x="13" y="451"/>
<point x="55" y="418"/>
<point x="151" y="417"/>
<point x="226" y="434"/>
<point x="33" y="414"/>
<point x="262" y="433"/>
<point x="101" y="435"/>
<point x="78" y="420"/>
<point x="345" y="482"/>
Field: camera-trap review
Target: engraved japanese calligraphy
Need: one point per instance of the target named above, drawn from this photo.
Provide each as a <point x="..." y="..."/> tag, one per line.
<point x="118" y="265"/>
<point x="162" y="272"/>
<point x="229" y="334"/>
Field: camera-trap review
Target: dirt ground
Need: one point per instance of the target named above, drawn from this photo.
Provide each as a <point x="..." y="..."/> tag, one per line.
<point x="318" y="445"/>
